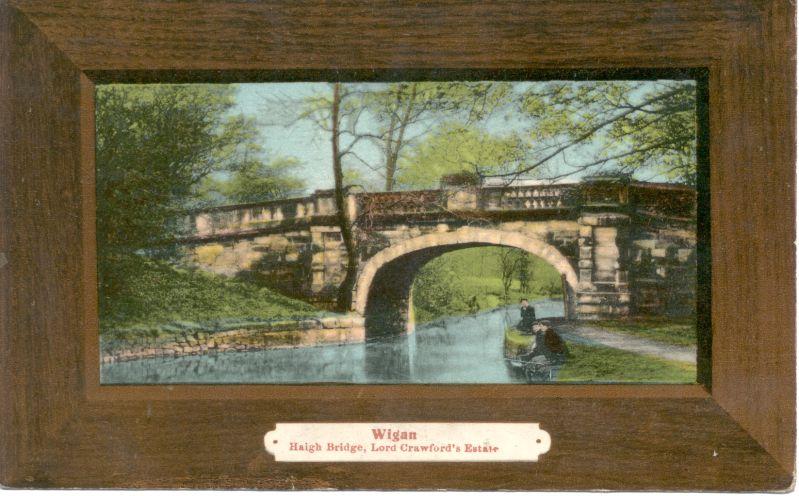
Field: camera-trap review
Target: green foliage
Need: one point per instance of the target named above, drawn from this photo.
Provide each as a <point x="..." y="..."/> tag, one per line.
<point x="661" y="329"/>
<point x="422" y="131"/>
<point x="393" y="118"/>
<point x="603" y="364"/>
<point x="256" y="181"/>
<point x="516" y="343"/>
<point x="456" y="282"/>
<point x="631" y="126"/>
<point x="155" y="143"/>
<point x="158" y="295"/>
<point x="158" y="150"/>
<point x="438" y="290"/>
<point x="455" y="148"/>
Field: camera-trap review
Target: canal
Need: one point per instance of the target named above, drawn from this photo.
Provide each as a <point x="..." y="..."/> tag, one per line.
<point x="465" y="349"/>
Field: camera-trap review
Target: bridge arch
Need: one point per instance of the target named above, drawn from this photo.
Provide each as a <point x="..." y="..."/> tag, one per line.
<point x="385" y="280"/>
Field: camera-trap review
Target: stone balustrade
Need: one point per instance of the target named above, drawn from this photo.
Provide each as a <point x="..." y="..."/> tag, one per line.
<point x="234" y="219"/>
<point x="320" y="208"/>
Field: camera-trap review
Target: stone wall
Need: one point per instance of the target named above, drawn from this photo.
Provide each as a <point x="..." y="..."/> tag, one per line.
<point x="281" y="261"/>
<point x="603" y="291"/>
<point x="283" y="334"/>
<point x="663" y="271"/>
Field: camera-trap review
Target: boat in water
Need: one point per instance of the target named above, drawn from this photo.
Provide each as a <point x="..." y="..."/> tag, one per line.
<point x="537" y="353"/>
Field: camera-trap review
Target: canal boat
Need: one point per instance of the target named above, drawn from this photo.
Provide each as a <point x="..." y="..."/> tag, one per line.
<point x="523" y="358"/>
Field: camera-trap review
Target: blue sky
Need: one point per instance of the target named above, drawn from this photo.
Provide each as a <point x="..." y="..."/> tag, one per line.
<point x="282" y="135"/>
<point x="301" y="139"/>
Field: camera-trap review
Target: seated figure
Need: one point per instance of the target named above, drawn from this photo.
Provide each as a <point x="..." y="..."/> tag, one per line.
<point x="528" y="316"/>
<point x="552" y="346"/>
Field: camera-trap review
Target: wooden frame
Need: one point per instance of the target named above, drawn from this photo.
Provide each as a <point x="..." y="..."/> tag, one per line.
<point x="61" y="429"/>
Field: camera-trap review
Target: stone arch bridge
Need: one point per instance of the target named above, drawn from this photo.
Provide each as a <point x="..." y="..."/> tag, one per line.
<point x="622" y="248"/>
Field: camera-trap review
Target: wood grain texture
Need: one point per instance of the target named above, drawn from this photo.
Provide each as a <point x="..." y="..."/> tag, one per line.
<point x="753" y="187"/>
<point x="308" y="34"/>
<point x="634" y="444"/>
<point x="62" y="429"/>
<point x="41" y="349"/>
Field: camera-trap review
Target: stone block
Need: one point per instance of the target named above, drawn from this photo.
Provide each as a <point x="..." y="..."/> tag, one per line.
<point x="605" y="235"/>
<point x="645" y="244"/>
<point x="308" y="324"/>
<point x="613" y="220"/>
<point x="330" y="323"/>
<point x="356" y="335"/>
<point x="588" y="298"/>
<point x="585" y="309"/>
<point x="417" y="243"/>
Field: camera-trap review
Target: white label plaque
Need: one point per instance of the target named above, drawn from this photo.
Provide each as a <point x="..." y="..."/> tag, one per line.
<point x="407" y="442"/>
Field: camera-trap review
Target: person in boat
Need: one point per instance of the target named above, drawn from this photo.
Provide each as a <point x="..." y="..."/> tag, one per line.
<point x="549" y="344"/>
<point x="528" y="316"/>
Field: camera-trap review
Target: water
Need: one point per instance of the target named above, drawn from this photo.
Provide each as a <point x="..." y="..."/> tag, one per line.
<point x="454" y="350"/>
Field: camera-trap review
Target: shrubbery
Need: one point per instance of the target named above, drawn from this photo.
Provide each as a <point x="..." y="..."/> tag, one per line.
<point x="158" y="298"/>
<point x="469" y="280"/>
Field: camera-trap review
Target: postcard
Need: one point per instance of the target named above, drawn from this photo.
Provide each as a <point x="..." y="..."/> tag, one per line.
<point x="403" y="232"/>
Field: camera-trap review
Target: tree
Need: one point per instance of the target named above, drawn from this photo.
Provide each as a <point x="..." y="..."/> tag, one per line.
<point x="455" y="148"/>
<point x="635" y="127"/>
<point x="344" y="300"/>
<point x="509" y="261"/>
<point x="438" y="290"/>
<point x="155" y="146"/>
<point x="332" y="113"/>
<point x="406" y="112"/>
<point x="258" y="181"/>
<point x="525" y="273"/>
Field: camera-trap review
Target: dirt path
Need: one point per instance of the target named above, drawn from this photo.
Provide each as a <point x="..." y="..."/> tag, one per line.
<point x="587" y="334"/>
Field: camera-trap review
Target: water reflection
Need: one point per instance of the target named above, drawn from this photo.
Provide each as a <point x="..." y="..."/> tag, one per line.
<point x="454" y="350"/>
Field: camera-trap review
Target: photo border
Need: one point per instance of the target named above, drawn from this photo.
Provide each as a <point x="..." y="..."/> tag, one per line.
<point x="698" y="75"/>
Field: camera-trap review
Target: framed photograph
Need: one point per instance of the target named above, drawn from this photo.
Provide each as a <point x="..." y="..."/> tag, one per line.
<point x="517" y="246"/>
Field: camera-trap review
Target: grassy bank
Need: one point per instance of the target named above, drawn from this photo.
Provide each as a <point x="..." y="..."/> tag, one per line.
<point x="603" y="364"/>
<point x="469" y="280"/>
<point x="157" y="299"/>
<point x="680" y="332"/>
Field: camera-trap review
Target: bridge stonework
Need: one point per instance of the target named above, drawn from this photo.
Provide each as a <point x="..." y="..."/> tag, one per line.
<point x="621" y="248"/>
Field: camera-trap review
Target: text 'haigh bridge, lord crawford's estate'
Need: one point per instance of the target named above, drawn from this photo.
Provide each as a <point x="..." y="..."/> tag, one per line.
<point x="621" y="247"/>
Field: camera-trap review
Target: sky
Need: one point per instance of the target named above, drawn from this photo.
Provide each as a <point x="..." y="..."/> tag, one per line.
<point x="284" y="136"/>
<point x="301" y="139"/>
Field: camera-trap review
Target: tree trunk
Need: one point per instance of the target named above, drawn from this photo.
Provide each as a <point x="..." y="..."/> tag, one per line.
<point x="344" y="300"/>
<point x="389" y="150"/>
<point x="392" y="155"/>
